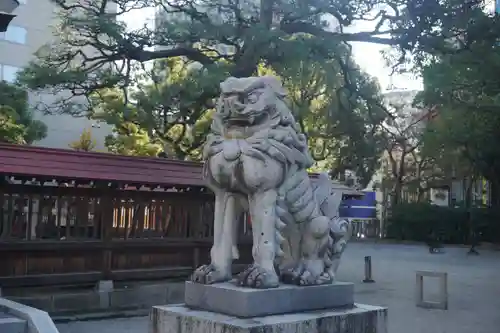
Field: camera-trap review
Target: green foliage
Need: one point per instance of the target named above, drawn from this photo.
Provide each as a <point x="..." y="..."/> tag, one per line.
<point x="198" y="43"/>
<point x="164" y="111"/>
<point x="461" y="90"/>
<point x="85" y="142"/>
<point x="129" y="139"/>
<point x="16" y="119"/>
<point x="253" y="32"/>
<point x="426" y="223"/>
<point x="464" y="93"/>
<point x="342" y="125"/>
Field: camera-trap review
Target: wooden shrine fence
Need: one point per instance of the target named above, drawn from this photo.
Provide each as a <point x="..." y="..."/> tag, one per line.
<point x="63" y="235"/>
<point x="74" y="223"/>
<point x="74" y="218"/>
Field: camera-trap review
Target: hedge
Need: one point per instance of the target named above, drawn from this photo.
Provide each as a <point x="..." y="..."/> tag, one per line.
<point x="427" y="223"/>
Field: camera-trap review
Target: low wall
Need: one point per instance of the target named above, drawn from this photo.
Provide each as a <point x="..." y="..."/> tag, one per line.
<point x="140" y="296"/>
<point x="38" y="321"/>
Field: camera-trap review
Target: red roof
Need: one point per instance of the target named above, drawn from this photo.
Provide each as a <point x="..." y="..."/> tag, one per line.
<point x="51" y="163"/>
<point x="18" y="160"/>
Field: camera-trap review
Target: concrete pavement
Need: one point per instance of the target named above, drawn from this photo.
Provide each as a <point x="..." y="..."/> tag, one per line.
<point x="473" y="284"/>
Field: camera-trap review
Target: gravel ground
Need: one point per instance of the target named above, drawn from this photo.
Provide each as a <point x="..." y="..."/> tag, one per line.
<point x="473" y="284"/>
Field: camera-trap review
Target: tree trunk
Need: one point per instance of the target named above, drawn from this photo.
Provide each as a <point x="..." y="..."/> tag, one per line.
<point x="420" y="194"/>
<point x="396" y="197"/>
<point x="398" y="186"/>
<point x="468" y="205"/>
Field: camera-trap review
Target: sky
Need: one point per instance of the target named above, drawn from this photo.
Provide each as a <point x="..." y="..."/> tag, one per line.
<point x="369" y="58"/>
<point x="367" y="55"/>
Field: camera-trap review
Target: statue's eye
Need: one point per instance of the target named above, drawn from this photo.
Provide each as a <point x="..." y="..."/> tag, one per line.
<point x="253" y="97"/>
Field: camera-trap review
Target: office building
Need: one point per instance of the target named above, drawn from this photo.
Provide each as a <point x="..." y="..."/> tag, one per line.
<point x="28" y="31"/>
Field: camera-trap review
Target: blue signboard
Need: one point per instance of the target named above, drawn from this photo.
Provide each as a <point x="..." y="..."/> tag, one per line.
<point x="364" y="208"/>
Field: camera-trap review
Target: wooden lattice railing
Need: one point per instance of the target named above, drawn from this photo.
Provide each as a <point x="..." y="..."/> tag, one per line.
<point x="75" y="235"/>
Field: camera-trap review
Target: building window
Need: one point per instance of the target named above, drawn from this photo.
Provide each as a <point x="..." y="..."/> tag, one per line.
<point x="15" y="34"/>
<point x="9" y="73"/>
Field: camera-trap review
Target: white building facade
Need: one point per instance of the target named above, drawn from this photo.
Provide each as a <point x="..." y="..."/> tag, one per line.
<point x="28" y="31"/>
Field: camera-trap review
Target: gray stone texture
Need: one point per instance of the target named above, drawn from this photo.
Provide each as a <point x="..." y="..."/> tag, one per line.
<point x="37" y="321"/>
<point x="78" y="302"/>
<point x="442" y="302"/>
<point x="10" y="324"/>
<point x="256" y="160"/>
<point x="180" y="319"/>
<point x="105" y="286"/>
<point x="139" y="296"/>
<point x="229" y="299"/>
<point x="474" y="290"/>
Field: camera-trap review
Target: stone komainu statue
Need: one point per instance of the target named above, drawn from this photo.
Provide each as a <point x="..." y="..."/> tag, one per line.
<point x="256" y="160"/>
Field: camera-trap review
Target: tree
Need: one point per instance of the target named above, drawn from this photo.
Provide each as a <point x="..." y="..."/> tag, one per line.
<point x="465" y="142"/>
<point x="16" y="119"/>
<point x="129" y="139"/>
<point x="94" y="50"/>
<point x="465" y="96"/>
<point x="85" y="142"/>
<point x="342" y="126"/>
<point x="199" y="43"/>
<point x="403" y="136"/>
<point x="463" y="91"/>
<point x="162" y="108"/>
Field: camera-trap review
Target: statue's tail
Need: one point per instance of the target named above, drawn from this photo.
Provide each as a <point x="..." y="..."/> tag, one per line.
<point x="340" y="229"/>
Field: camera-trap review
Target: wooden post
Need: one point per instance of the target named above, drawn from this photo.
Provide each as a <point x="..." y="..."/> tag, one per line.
<point x="106" y="228"/>
<point x="196" y="257"/>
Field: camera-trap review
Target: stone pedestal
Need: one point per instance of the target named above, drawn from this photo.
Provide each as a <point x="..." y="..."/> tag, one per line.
<point x="229" y="299"/>
<point x="224" y="307"/>
<point x="180" y="319"/>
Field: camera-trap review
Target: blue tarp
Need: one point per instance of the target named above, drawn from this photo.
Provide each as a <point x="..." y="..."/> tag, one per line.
<point x="364" y="208"/>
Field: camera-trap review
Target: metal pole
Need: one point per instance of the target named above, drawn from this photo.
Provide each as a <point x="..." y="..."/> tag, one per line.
<point x="368" y="270"/>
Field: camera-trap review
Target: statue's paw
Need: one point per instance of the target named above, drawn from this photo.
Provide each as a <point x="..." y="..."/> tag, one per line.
<point x="291" y="275"/>
<point x="323" y="278"/>
<point x="209" y="274"/>
<point x="257" y="277"/>
<point x="302" y="276"/>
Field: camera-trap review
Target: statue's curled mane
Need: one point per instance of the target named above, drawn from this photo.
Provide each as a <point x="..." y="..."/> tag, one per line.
<point x="278" y="138"/>
<point x="256" y="151"/>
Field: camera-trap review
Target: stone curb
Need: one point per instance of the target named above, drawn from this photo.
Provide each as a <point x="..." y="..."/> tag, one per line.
<point x="101" y="316"/>
<point x="486" y="246"/>
<point x="86" y="304"/>
<point x="38" y="321"/>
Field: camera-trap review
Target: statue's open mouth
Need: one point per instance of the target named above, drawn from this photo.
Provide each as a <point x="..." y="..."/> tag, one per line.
<point x="250" y="120"/>
<point x="240" y="122"/>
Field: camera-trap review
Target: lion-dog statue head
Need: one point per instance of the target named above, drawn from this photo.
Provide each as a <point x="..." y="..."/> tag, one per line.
<point x="253" y="109"/>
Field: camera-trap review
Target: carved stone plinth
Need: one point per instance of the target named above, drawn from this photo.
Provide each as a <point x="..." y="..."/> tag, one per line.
<point x="359" y="319"/>
<point x="229" y="299"/>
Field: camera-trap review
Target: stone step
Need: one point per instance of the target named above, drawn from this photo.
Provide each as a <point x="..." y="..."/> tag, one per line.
<point x="9" y="324"/>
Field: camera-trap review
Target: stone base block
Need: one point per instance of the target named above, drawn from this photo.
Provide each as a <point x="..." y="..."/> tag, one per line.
<point x="181" y="319"/>
<point x="442" y="303"/>
<point x="229" y="299"/>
